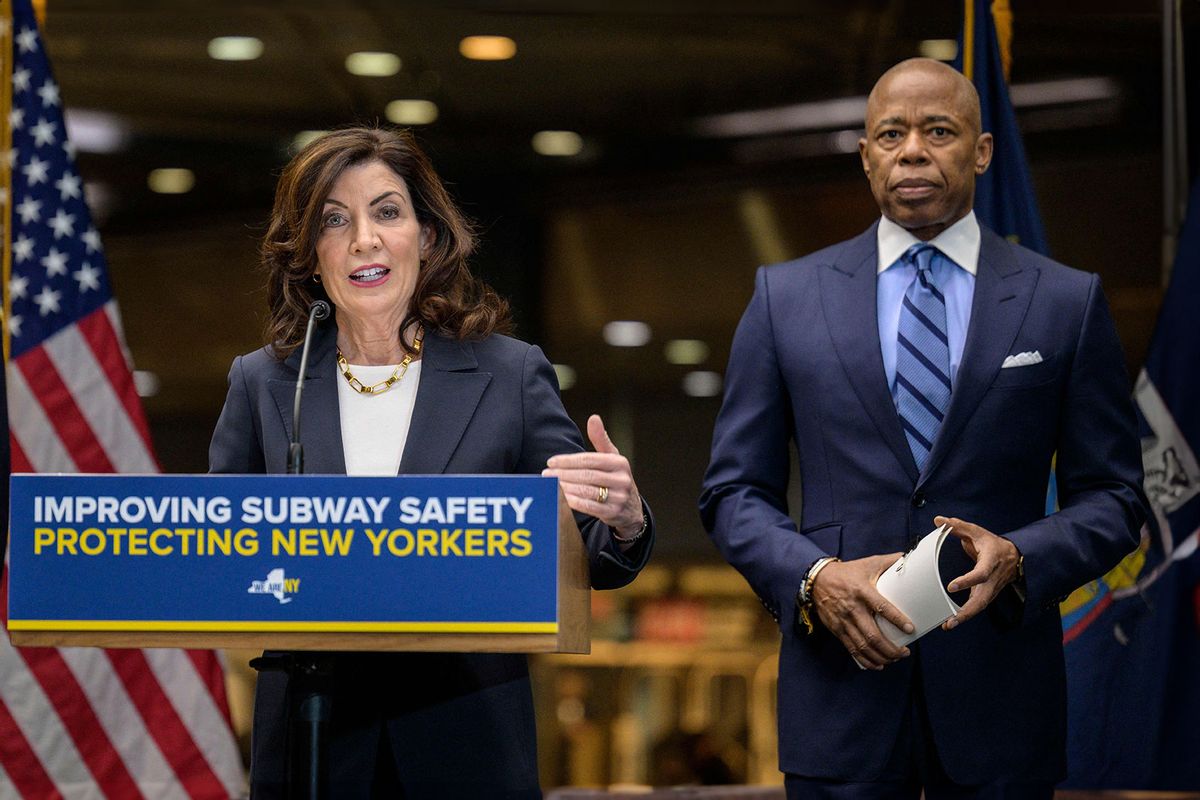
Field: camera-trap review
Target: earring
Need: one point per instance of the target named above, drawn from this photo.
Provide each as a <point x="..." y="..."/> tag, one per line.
<point x="316" y="277"/>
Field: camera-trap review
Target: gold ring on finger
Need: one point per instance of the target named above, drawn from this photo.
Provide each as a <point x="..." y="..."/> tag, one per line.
<point x="602" y="495"/>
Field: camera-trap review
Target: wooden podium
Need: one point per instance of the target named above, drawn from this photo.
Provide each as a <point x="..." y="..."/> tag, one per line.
<point x="434" y="563"/>
<point x="87" y="555"/>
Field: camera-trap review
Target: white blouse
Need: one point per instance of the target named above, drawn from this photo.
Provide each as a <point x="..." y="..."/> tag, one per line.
<point x="375" y="426"/>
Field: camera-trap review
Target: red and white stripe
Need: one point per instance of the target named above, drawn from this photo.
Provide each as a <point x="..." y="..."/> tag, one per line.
<point x="84" y="722"/>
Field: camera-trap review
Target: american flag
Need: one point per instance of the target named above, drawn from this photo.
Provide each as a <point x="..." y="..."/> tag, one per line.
<point x="83" y="722"/>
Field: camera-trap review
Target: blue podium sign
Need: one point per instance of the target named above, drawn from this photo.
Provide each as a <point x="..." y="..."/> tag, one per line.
<point x="271" y="554"/>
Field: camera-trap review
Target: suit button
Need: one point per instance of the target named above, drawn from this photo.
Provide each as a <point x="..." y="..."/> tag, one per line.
<point x="919" y="500"/>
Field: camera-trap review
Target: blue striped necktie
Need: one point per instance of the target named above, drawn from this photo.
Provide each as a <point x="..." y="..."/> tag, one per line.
<point x="922" y="356"/>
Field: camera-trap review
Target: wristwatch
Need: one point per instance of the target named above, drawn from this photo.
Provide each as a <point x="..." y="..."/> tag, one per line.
<point x="1018" y="582"/>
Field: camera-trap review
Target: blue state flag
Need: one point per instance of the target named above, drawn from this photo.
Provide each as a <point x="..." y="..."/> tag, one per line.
<point x="1004" y="197"/>
<point x="1133" y="637"/>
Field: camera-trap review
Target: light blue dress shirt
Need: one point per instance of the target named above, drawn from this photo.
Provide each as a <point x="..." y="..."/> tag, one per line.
<point x="959" y="243"/>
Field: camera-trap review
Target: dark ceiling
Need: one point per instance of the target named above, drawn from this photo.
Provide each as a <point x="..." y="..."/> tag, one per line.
<point x="632" y="82"/>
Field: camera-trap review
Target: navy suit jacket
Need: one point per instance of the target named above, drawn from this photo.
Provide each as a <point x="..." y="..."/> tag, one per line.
<point x="805" y="367"/>
<point x="459" y="724"/>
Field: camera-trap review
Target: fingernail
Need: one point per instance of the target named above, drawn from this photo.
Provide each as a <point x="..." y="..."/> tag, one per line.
<point x="905" y="653"/>
<point x="908" y="627"/>
<point x="953" y="587"/>
<point x="951" y="623"/>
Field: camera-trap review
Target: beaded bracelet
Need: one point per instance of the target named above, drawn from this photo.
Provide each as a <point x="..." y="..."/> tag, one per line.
<point x="631" y="539"/>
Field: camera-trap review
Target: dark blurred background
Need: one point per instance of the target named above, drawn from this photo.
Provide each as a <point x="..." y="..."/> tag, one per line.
<point x="614" y="177"/>
<point x="660" y="216"/>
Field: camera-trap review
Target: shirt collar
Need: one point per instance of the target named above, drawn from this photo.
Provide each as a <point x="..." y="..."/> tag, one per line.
<point x="960" y="242"/>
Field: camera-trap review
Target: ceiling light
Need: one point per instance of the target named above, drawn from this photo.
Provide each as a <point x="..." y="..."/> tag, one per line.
<point x="702" y="383"/>
<point x="939" y="49"/>
<point x="235" y="48"/>
<point x="96" y="131"/>
<point x="845" y="141"/>
<point x="488" y="48"/>
<point x="146" y="384"/>
<point x="171" y="180"/>
<point x="840" y="113"/>
<point x="101" y="201"/>
<point x="686" y="351"/>
<point x="626" y="333"/>
<point x="411" y="112"/>
<point x="1067" y="90"/>
<point x="373" y="64"/>
<point x="847" y="112"/>
<point x="566" y="376"/>
<point x="557" y="143"/>
<point x="305" y="138"/>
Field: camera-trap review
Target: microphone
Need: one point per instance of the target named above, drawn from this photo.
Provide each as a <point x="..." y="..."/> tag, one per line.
<point x="295" y="461"/>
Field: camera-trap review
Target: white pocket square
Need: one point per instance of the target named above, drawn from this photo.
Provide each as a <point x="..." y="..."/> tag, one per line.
<point x="1022" y="359"/>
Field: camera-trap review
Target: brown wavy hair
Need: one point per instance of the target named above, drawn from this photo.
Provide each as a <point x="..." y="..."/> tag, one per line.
<point x="447" y="297"/>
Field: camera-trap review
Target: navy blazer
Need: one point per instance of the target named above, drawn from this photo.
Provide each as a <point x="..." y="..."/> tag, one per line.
<point x="458" y="724"/>
<point x="806" y="367"/>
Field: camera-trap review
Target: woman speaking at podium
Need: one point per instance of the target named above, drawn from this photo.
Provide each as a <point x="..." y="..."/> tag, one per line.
<point x="411" y="374"/>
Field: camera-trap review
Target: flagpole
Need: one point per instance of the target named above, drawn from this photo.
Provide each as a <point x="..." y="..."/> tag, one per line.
<point x="6" y="66"/>
<point x="1175" y="166"/>
<point x="968" y="40"/>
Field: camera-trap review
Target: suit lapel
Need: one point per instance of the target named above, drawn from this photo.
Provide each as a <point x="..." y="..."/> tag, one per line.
<point x="1003" y="289"/>
<point x="321" y="430"/>
<point x="848" y="297"/>
<point x="447" y="397"/>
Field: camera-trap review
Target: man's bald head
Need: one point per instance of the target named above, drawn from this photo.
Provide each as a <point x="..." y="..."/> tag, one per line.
<point x="963" y="90"/>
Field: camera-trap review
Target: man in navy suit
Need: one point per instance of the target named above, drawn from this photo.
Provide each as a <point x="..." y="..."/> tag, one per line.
<point x="921" y="385"/>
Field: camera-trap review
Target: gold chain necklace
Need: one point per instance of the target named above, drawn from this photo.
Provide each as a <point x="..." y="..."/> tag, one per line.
<point x="382" y="386"/>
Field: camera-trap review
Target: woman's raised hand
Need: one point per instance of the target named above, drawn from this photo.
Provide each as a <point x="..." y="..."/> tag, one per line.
<point x="601" y="483"/>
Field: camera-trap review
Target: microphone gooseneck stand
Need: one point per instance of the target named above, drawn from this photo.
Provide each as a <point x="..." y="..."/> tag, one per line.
<point x="308" y="700"/>
<point x="319" y="310"/>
